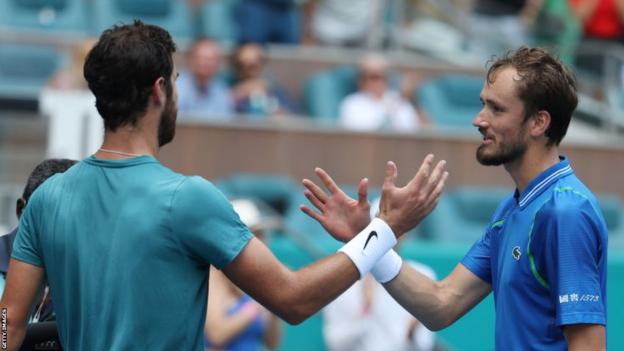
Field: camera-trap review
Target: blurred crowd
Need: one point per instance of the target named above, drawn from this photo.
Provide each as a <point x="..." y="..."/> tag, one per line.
<point x="220" y="80"/>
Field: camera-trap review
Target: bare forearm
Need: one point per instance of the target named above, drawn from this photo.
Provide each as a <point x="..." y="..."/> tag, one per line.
<point x="437" y="304"/>
<point x="16" y="333"/>
<point x="293" y="296"/>
<point x="314" y="286"/>
<point x="420" y="296"/>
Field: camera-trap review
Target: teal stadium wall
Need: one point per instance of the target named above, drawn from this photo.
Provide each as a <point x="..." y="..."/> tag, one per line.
<point x="474" y="331"/>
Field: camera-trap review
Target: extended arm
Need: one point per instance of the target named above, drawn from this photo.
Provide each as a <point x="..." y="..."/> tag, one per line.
<point x="296" y="295"/>
<point x="293" y="296"/>
<point x="23" y="283"/>
<point x="437" y="304"/>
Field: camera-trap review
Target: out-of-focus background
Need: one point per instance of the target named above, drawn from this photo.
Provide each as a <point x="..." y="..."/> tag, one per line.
<point x="270" y="89"/>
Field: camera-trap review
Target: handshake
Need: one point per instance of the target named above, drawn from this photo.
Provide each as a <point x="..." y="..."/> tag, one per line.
<point x="400" y="210"/>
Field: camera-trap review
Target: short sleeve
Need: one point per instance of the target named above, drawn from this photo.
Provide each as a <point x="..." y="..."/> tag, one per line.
<point x="26" y="247"/>
<point x="206" y="225"/>
<point x="572" y="259"/>
<point x="477" y="260"/>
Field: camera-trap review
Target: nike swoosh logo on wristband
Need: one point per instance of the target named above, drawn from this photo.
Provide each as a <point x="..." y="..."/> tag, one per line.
<point x="372" y="234"/>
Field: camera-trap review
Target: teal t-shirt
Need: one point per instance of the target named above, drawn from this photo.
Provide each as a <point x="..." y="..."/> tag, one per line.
<point x="126" y="246"/>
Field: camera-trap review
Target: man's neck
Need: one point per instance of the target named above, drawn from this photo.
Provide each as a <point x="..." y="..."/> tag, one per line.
<point x="535" y="161"/>
<point x="126" y="142"/>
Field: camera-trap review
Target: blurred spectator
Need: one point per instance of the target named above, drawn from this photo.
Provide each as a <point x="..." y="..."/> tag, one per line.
<point x="499" y="25"/>
<point x="601" y="19"/>
<point x="555" y="26"/>
<point x="253" y="93"/>
<point x="375" y="106"/>
<point x="603" y="23"/>
<point x="354" y="23"/>
<point x="201" y="92"/>
<point x="71" y="77"/>
<point x="268" y="21"/>
<point x="234" y="321"/>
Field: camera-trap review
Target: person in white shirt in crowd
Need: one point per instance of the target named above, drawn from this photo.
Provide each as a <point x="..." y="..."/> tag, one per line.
<point x="375" y="106"/>
<point x="367" y="318"/>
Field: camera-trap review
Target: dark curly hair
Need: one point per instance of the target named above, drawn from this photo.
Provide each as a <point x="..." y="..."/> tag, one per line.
<point x="122" y="67"/>
<point x="545" y="85"/>
<point x="43" y="171"/>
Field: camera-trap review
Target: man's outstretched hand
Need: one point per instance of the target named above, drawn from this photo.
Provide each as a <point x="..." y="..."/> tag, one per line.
<point x="401" y="208"/>
<point x="339" y="214"/>
<point x="404" y="208"/>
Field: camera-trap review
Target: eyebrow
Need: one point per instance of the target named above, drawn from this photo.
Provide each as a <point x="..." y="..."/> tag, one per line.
<point x="490" y="101"/>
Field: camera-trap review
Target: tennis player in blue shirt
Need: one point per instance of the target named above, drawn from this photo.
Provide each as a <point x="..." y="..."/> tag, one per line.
<point x="544" y="252"/>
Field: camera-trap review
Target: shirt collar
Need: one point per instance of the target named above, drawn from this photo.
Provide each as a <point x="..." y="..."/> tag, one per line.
<point x="543" y="181"/>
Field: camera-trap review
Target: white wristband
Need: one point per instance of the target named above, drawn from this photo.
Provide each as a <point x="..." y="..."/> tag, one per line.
<point x="388" y="267"/>
<point x="369" y="245"/>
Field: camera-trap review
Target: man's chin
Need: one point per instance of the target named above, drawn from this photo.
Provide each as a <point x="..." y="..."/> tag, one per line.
<point x="487" y="159"/>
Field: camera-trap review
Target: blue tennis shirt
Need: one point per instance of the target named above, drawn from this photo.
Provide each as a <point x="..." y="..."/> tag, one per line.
<point x="126" y="246"/>
<point x="545" y="255"/>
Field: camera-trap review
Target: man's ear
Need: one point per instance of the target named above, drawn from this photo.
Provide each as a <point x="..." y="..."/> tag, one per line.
<point x="540" y="123"/>
<point x="19" y="207"/>
<point x="158" y="91"/>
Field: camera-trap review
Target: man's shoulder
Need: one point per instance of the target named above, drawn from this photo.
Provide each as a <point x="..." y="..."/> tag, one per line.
<point x="197" y="190"/>
<point x="570" y="195"/>
<point x="570" y="200"/>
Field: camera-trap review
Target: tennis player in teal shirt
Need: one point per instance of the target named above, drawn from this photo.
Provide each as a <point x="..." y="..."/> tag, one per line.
<point x="126" y="243"/>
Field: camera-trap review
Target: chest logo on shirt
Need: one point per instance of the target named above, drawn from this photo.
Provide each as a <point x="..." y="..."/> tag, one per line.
<point x="515" y="252"/>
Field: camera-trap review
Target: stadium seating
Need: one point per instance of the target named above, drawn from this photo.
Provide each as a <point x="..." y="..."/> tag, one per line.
<point x="451" y="100"/>
<point x="172" y="15"/>
<point x="462" y="214"/>
<point x="44" y="16"/>
<point x="25" y="69"/>
<point x="613" y="211"/>
<point x="218" y="21"/>
<point x="324" y="91"/>
<point x="274" y="190"/>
